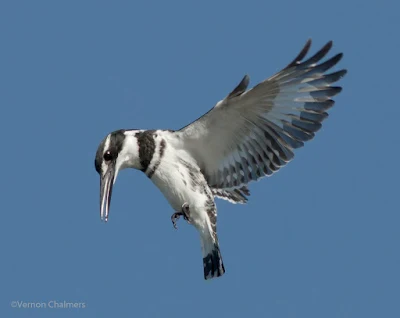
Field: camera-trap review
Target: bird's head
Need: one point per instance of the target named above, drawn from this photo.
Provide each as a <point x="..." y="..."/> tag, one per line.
<point x="117" y="151"/>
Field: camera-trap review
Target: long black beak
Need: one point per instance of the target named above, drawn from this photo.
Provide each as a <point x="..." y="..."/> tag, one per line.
<point x="106" y="185"/>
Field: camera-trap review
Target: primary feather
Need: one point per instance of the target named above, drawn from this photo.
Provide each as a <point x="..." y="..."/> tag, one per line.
<point x="252" y="133"/>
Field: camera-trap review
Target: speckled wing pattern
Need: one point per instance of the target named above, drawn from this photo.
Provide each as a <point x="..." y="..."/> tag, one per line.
<point x="232" y="195"/>
<point x="252" y="133"/>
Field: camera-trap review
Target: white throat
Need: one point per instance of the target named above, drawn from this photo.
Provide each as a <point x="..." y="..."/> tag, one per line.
<point x="129" y="154"/>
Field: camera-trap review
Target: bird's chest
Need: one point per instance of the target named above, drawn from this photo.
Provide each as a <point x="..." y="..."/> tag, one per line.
<point x="181" y="182"/>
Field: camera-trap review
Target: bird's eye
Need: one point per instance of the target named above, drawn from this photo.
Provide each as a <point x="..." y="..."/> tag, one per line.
<point x="107" y="156"/>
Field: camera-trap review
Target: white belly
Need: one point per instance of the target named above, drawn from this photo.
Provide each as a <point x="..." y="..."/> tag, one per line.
<point x="179" y="178"/>
<point x="174" y="182"/>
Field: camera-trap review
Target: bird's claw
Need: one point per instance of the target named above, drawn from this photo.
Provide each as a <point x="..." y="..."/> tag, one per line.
<point x="184" y="212"/>
<point x="174" y="218"/>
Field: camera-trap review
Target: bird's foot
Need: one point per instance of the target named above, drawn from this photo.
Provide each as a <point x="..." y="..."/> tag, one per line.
<point x="184" y="212"/>
<point x="175" y="217"/>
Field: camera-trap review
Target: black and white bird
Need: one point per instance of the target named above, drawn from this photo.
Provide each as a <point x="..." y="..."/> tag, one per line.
<point x="244" y="137"/>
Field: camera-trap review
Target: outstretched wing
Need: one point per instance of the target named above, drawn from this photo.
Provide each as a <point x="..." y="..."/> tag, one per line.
<point x="251" y="134"/>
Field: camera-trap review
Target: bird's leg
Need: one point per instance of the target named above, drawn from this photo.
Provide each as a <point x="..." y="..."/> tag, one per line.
<point x="184" y="212"/>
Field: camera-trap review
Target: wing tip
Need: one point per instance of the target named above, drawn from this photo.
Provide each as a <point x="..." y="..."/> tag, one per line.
<point x="240" y="88"/>
<point x="301" y="55"/>
<point x="316" y="57"/>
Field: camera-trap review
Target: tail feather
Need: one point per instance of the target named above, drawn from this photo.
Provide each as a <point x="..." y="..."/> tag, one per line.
<point x="212" y="262"/>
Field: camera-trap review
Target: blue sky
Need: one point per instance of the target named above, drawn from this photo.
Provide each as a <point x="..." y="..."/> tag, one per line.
<point x="318" y="239"/>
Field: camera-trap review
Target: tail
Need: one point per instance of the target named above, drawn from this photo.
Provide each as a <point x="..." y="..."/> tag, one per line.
<point x="212" y="260"/>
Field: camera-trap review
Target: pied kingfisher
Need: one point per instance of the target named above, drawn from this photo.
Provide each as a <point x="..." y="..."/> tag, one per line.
<point x="244" y="137"/>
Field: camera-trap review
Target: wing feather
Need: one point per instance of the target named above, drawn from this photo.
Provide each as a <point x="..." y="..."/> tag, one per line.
<point x="252" y="133"/>
<point x="233" y="195"/>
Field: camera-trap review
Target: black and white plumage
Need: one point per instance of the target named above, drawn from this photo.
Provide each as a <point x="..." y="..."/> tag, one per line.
<point x="244" y="137"/>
